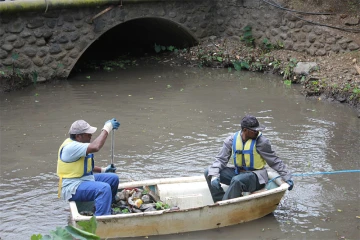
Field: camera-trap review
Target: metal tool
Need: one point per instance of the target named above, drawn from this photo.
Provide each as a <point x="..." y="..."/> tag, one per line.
<point x="112" y="148"/>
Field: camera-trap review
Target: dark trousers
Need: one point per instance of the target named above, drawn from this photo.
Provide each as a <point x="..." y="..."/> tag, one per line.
<point x="238" y="183"/>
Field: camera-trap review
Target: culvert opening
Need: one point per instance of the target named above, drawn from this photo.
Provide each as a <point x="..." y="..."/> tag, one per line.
<point x="134" y="39"/>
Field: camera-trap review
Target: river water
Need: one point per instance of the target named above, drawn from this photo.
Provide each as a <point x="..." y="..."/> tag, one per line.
<point x="173" y="122"/>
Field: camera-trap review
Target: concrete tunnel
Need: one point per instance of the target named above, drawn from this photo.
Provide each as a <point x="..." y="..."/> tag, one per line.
<point x="136" y="38"/>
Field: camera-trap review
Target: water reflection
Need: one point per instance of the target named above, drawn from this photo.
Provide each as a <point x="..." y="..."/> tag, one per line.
<point x="173" y="122"/>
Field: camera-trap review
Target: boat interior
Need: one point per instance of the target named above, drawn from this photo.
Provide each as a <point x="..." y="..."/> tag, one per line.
<point x="189" y="194"/>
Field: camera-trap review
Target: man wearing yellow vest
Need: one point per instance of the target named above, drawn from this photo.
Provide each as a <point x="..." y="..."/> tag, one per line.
<point x="249" y="152"/>
<point x="76" y="168"/>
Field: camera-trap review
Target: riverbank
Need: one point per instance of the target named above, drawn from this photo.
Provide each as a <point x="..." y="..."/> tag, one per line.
<point x="334" y="78"/>
<point x="333" y="74"/>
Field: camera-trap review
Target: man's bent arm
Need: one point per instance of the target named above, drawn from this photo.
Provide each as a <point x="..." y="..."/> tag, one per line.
<point x="98" y="143"/>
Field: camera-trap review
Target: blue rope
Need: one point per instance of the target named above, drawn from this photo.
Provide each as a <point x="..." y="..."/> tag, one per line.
<point x="316" y="173"/>
<point x="273" y="179"/>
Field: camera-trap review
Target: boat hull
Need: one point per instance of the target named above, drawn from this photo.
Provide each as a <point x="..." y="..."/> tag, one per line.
<point x="220" y="214"/>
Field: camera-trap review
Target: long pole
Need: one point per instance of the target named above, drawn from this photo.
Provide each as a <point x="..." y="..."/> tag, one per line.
<point x="112" y="148"/>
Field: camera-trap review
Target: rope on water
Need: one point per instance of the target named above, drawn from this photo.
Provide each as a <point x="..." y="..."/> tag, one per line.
<point x="316" y="173"/>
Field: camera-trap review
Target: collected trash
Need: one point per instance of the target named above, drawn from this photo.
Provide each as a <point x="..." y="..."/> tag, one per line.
<point x="138" y="200"/>
<point x="135" y="200"/>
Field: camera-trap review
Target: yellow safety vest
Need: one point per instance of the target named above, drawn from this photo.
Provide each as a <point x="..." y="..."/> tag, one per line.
<point x="245" y="157"/>
<point x="81" y="167"/>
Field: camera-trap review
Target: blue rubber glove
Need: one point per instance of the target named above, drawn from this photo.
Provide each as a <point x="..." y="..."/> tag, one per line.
<point x="110" y="168"/>
<point x="115" y="123"/>
<point x="111" y="124"/>
<point x="215" y="182"/>
<point x="291" y="183"/>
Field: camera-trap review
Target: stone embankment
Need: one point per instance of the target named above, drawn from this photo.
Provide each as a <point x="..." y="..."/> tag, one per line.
<point x="50" y="43"/>
<point x="288" y="29"/>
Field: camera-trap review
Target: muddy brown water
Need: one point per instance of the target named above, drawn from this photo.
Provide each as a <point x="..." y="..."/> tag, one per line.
<point x="173" y="121"/>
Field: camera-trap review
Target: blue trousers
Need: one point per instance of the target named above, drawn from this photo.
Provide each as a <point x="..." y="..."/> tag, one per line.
<point x="238" y="183"/>
<point x="102" y="192"/>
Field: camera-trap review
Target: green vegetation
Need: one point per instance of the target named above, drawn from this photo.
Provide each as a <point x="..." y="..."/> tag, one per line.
<point x="287" y="82"/>
<point x="267" y="45"/>
<point x="238" y="65"/>
<point x="14" y="78"/>
<point x="355" y="94"/>
<point x="125" y="210"/>
<point x="246" y="60"/>
<point x="159" y="48"/>
<point x="347" y="87"/>
<point x="87" y="232"/>
<point x="161" y="205"/>
<point x="350" y="90"/>
<point x="248" y="36"/>
<point x="280" y="44"/>
<point x="303" y="79"/>
<point x="276" y="64"/>
<point x="289" y="67"/>
<point x="257" y="66"/>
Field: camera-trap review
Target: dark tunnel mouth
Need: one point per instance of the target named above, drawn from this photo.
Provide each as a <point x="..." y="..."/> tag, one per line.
<point x="136" y="38"/>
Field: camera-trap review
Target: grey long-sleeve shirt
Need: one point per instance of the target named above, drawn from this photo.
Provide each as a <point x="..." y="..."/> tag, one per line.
<point x="263" y="147"/>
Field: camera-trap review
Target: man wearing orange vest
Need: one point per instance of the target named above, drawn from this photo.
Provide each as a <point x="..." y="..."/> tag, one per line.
<point x="76" y="168"/>
<point x="249" y="152"/>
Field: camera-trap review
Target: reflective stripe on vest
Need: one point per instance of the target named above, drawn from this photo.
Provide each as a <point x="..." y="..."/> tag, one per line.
<point x="250" y="158"/>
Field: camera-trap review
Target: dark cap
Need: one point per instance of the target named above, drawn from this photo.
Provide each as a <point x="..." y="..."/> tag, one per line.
<point x="252" y="123"/>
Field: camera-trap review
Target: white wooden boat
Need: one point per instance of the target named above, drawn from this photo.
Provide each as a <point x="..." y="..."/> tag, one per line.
<point x="197" y="209"/>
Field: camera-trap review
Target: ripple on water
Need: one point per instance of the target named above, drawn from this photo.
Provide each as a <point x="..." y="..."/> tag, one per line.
<point x="30" y="205"/>
<point x="177" y="131"/>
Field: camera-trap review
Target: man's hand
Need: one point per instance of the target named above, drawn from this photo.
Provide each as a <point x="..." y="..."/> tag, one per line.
<point x="111" y="124"/>
<point x="215" y="182"/>
<point x="291" y="183"/>
<point x="110" y="168"/>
